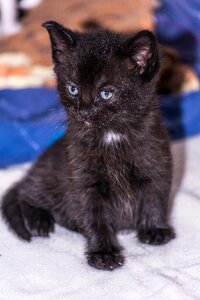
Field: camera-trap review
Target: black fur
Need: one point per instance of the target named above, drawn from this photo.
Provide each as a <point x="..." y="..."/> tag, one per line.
<point x="91" y="180"/>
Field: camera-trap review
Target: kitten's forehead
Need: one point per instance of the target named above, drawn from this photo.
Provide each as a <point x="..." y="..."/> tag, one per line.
<point x="96" y="51"/>
<point x="100" y="43"/>
<point x="90" y="66"/>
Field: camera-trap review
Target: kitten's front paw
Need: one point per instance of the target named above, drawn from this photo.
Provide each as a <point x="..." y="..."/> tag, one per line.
<point x="156" y="235"/>
<point x="105" y="260"/>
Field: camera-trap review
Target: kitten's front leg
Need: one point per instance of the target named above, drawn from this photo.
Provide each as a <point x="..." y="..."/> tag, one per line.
<point x="153" y="227"/>
<point x="103" y="251"/>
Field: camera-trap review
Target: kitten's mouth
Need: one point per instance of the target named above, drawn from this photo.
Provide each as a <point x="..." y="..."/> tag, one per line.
<point x="88" y="124"/>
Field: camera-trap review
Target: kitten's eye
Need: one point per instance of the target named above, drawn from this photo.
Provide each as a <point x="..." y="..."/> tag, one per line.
<point x="106" y="95"/>
<point x="72" y="90"/>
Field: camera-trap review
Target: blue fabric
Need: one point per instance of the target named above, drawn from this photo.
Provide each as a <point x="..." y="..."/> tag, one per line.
<point x="32" y="119"/>
<point x="178" y="25"/>
<point x="181" y="114"/>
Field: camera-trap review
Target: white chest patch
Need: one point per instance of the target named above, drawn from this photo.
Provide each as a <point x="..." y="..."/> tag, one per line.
<point x="112" y="137"/>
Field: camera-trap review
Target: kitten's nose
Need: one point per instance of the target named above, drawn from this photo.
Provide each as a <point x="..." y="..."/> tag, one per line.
<point x="87" y="98"/>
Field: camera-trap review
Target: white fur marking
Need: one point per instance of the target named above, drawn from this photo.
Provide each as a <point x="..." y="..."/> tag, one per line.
<point x="111" y="137"/>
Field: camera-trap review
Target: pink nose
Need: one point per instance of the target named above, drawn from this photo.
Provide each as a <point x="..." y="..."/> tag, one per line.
<point x="88" y="124"/>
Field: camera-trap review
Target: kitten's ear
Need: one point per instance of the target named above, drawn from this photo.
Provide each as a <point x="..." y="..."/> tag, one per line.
<point x="143" y="52"/>
<point x="62" y="40"/>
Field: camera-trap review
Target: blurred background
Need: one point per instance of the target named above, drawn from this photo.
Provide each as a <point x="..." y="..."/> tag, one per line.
<point x="31" y="117"/>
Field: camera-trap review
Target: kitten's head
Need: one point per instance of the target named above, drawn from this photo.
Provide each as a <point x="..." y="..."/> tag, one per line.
<point x="104" y="79"/>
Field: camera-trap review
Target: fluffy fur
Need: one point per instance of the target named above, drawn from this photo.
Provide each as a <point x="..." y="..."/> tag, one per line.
<point x="112" y="169"/>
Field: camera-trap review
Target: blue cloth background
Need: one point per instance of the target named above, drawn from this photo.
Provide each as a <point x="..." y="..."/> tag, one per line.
<point x="178" y="25"/>
<point x="32" y="119"/>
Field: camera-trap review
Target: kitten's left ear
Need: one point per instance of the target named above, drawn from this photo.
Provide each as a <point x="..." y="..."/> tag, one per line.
<point x="63" y="40"/>
<point x="143" y="52"/>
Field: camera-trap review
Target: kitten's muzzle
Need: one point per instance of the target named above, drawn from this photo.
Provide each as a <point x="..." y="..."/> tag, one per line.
<point x="84" y="117"/>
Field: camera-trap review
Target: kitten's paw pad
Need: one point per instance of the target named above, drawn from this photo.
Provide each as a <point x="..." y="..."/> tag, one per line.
<point x="39" y="223"/>
<point x="156" y="236"/>
<point x="105" y="260"/>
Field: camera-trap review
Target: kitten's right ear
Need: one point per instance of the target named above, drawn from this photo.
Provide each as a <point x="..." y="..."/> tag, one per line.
<point x="143" y="52"/>
<point x="62" y="40"/>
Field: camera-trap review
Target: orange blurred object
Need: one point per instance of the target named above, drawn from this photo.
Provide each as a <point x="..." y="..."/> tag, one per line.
<point x="120" y="15"/>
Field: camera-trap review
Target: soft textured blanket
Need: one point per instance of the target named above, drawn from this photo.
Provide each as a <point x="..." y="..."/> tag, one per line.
<point x="56" y="269"/>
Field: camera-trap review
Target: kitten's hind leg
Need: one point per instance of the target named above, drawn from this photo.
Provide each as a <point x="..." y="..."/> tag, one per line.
<point x="11" y="211"/>
<point x="25" y="220"/>
<point x="38" y="221"/>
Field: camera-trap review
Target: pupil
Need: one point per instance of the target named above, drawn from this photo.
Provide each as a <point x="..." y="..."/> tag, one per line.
<point x="106" y="93"/>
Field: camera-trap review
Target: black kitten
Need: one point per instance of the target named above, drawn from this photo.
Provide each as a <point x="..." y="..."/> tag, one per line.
<point x="112" y="170"/>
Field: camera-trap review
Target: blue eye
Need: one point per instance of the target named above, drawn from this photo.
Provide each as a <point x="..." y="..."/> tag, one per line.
<point x="72" y="89"/>
<point x="106" y="95"/>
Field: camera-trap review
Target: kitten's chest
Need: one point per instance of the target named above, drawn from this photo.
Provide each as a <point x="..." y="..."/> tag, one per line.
<point x="118" y="161"/>
<point x="124" y="199"/>
<point x="123" y="184"/>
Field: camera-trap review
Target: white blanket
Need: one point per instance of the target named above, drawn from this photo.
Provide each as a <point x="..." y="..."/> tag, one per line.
<point x="55" y="268"/>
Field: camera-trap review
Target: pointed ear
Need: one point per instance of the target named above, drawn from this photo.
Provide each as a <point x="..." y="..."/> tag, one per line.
<point x="62" y="40"/>
<point x="143" y="51"/>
